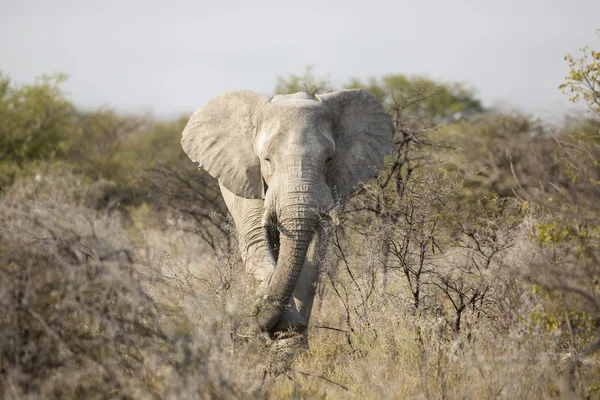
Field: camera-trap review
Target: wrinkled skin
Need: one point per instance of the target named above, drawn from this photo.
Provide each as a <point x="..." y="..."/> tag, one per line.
<point x="284" y="165"/>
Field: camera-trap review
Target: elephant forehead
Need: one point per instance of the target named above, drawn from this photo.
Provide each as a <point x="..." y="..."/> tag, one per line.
<point x="295" y="108"/>
<point x="294" y="96"/>
<point x="295" y="120"/>
<point x="295" y="115"/>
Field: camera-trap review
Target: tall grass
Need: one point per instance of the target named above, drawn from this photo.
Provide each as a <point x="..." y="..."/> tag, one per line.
<point x="94" y="305"/>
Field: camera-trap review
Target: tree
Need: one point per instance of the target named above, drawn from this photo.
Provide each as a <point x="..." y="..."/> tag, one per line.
<point x="307" y="82"/>
<point x="417" y="96"/>
<point x="567" y="229"/>
<point x="99" y="144"/>
<point x="36" y="123"/>
<point x="436" y="102"/>
<point x="583" y="81"/>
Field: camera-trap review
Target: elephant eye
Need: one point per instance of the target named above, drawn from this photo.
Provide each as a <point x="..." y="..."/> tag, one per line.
<point x="267" y="159"/>
<point x="329" y="160"/>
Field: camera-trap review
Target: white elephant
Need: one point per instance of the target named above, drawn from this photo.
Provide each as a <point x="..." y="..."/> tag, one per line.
<point x="283" y="163"/>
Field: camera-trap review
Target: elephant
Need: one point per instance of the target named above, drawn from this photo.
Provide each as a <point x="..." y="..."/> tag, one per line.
<point x="285" y="164"/>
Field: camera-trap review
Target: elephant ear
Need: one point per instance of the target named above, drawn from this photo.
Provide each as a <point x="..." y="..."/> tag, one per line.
<point x="219" y="136"/>
<point x="364" y="135"/>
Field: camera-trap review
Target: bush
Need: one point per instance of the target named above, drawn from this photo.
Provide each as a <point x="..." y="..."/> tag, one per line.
<point x="79" y="306"/>
<point x="36" y="124"/>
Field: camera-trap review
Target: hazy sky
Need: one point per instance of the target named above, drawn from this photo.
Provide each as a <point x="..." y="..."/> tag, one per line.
<point x="170" y="57"/>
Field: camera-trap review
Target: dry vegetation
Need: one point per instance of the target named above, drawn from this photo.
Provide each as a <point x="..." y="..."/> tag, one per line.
<point x="468" y="269"/>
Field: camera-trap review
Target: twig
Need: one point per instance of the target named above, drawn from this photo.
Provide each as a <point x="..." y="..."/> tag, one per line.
<point x="330" y="328"/>
<point x="323" y="378"/>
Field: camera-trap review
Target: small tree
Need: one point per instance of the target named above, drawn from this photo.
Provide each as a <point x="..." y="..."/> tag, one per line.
<point x="36" y="123"/>
<point x="423" y="98"/>
<point x="307" y="82"/>
<point x="583" y="81"/>
<point x="567" y="231"/>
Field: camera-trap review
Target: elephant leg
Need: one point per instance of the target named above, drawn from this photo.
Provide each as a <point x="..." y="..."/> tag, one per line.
<point x="306" y="286"/>
<point x="254" y="247"/>
<point x="306" y="289"/>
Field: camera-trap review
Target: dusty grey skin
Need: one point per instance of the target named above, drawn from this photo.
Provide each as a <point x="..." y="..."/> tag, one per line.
<point x="283" y="163"/>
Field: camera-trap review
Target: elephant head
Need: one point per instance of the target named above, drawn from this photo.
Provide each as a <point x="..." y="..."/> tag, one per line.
<point x="302" y="154"/>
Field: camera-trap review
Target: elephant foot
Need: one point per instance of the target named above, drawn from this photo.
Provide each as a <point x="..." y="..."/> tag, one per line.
<point x="290" y="324"/>
<point x="291" y="344"/>
<point x="285" y="337"/>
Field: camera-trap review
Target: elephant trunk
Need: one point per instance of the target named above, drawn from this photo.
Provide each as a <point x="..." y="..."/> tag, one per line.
<point x="293" y="247"/>
<point x="297" y="214"/>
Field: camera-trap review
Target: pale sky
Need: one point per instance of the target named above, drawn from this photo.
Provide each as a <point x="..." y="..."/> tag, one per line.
<point x="170" y="57"/>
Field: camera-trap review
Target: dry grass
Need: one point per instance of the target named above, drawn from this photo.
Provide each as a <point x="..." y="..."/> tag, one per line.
<point x="95" y="306"/>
